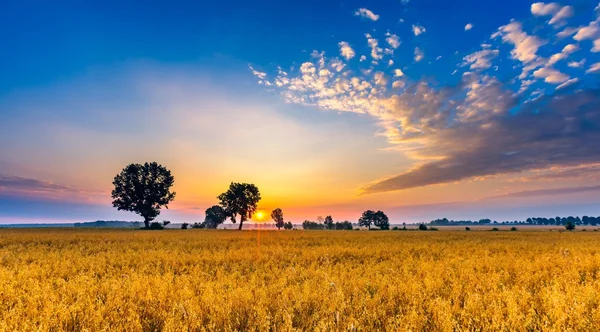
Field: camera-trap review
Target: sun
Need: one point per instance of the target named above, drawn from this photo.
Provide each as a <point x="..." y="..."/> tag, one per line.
<point x="260" y="215"/>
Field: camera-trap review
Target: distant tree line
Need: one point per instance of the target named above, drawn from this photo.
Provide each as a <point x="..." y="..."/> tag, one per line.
<point x="557" y="221"/>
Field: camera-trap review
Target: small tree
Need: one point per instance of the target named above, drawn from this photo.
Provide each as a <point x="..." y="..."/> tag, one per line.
<point x="378" y="218"/>
<point x="328" y="222"/>
<point x="288" y="225"/>
<point x="214" y="216"/>
<point x="143" y="189"/>
<point x="165" y="223"/>
<point x="277" y="216"/>
<point x="184" y="225"/>
<point x="570" y="226"/>
<point x="422" y="227"/>
<point x="241" y="199"/>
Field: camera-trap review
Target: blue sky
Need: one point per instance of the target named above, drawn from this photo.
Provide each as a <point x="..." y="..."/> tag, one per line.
<point x="330" y="107"/>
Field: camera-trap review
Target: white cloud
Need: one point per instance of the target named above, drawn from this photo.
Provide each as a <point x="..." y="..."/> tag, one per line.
<point x="418" y="54"/>
<point x="567" y="83"/>
<point x="418" y="29"/>
<point x="526" y="46"/>
<point x="481" y="59"/>
<point x="559" y="14"/>
<point x="576" y="64"/>
<point x="346" y="51"/>
<point x="567" y="32"/>
<point x="551" y="75"/>
<point x="591" y="31"/>
<point x="570" y="48"/>
<point x="556" y="57"/>
<point x="337" y="65"/>
<point x="542" y="9"/>
<point x="375" y="50"/>
<point x="393" y="40"/>
<point x="259" y="74"/>
<point x="364" y="12"/>
<point x="398" y="73"/>
<point x="391" y="62"/>
<point x="439" y="57"/>
<point x="363" y="58"/>
<point x="595" y="68"/>
<point x="468" y="27"/>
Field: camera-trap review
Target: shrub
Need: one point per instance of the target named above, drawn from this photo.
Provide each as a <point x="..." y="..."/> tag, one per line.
<point x="184" y="225"/>
<point x="396" y="228"/>
<point x="422" y="227"/>
<point x="495" y="229"/>
<point x="467" y="228"/>
<point x="513" y="228"/>
<point x="432" y="229"/>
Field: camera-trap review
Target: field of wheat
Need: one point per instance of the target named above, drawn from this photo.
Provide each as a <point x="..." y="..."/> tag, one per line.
<point x="194" y="280"/>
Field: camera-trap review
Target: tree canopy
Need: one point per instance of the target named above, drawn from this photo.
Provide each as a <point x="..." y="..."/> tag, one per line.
<point x="277" y="216"/>
<point x="214" y="216"/>
<point x="370" y="217"/>
<point x="240" y="199"/>
<point x="143" y="189"/>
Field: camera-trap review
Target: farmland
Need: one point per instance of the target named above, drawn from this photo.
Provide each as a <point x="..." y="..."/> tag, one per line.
<point x="82" y="279"/>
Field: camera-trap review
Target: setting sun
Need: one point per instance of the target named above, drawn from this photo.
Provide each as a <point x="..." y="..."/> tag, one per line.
<point x="260" y="215"/>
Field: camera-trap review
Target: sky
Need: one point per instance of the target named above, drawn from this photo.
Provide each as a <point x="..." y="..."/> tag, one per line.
<point x="424" y="109"/>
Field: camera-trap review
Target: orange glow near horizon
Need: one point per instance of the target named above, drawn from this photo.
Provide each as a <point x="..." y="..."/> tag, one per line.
<point x="260" y="215"/>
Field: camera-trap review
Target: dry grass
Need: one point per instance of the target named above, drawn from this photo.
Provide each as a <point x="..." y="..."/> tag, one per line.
<point x="342" y="280"/>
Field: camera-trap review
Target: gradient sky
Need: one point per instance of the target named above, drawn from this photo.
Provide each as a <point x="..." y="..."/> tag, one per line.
<point x="421" y="108"/>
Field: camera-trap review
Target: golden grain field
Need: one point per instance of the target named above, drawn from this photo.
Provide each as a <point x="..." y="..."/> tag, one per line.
<point x="195" y="280"/>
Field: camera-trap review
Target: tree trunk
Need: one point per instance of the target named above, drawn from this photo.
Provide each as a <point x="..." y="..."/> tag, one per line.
<point x="241" y="223"/>
<point x="147" y="222"/>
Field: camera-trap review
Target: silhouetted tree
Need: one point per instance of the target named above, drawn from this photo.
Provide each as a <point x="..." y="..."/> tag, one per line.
<point x="422" y="227"/>
<point x="378" y="218"/>
<point x="143" y="189"/>
<point x="320" y="220"/>
<point x="328" y="222"/>
<point x="214" y="216"/>
<point x="307" y="224"/>
<point x="241" y="199"/>
<point x="570" y="225"/>
<point x="381" y="220"/>
<point x="277" y="216"/>
<point x="184" y="225"/>
<point x="288" y="225"/>
<point x="165" y="223"/>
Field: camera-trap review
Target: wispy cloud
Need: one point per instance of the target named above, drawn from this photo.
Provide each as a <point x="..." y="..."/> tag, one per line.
<point x="468" y="27"/>
<point x="547" y="192"/>
<point x="364" y="12"/>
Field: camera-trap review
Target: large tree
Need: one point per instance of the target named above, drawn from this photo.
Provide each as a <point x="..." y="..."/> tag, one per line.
<point x="277" y="216"/>
<point x="143" y="189"/>
<point x="215" y="215"/>
<point x="241" y="199"/>
<point x="371" y="217"/>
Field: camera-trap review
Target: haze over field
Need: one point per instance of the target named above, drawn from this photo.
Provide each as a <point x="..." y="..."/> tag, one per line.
<point x="423" y="109"/>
